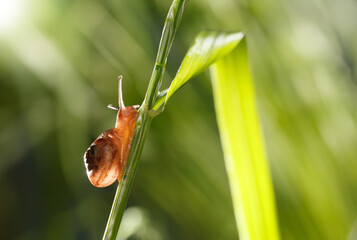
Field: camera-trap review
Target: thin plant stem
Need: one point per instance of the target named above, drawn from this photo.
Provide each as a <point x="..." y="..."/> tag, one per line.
<point x="172" y="21"/>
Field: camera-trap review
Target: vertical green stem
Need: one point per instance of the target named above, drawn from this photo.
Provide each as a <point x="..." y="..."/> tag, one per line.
<point x="172" y="21"/>
<point x="143" y="123"/>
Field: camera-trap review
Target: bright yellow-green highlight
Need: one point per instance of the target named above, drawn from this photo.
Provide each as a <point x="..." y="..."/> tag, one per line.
<point x="242" y="143"/>
<point x="244" y="153"/>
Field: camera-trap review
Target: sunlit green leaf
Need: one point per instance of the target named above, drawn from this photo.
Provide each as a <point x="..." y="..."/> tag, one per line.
<point x="208" y="47"/>
<point x="243" y="148"/>
<point x="244" y="154"/>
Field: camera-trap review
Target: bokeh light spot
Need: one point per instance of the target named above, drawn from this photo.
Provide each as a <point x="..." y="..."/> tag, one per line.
<point x="11" y="11"/>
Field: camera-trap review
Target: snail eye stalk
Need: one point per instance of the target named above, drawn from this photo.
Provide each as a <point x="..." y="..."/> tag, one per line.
<point x="120" y="93"/>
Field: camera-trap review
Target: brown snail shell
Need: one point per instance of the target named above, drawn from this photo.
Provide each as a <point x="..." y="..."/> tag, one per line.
<point x="106" y="158"/>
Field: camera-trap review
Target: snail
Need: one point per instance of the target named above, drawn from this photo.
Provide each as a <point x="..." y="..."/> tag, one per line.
<point x="106" y="157"/>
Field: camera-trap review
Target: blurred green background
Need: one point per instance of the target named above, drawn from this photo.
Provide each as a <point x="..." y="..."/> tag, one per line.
<point x="59" y="62"/>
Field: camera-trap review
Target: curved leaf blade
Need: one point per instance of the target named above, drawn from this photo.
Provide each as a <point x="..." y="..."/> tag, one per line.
<point x="242" y="143"/>
<point x="243" y="148"/>
<point x="207" y="48"/>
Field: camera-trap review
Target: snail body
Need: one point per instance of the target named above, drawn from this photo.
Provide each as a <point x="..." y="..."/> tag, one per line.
<point x="105" y="159"/>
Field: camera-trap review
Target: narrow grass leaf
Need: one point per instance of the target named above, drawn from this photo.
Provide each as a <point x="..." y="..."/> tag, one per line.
<point x="208" y="47"/>
<point x="243" y="148"/>
<point x="244" y="154"/>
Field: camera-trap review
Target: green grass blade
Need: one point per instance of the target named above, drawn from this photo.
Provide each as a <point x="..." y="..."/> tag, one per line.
<point x="242" y="143"/>
<point x="208" y="47"/>
<point x="246" y="162"/>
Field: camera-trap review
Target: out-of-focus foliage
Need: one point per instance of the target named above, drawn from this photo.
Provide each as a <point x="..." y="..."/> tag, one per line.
<point x="58" y="66"/>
